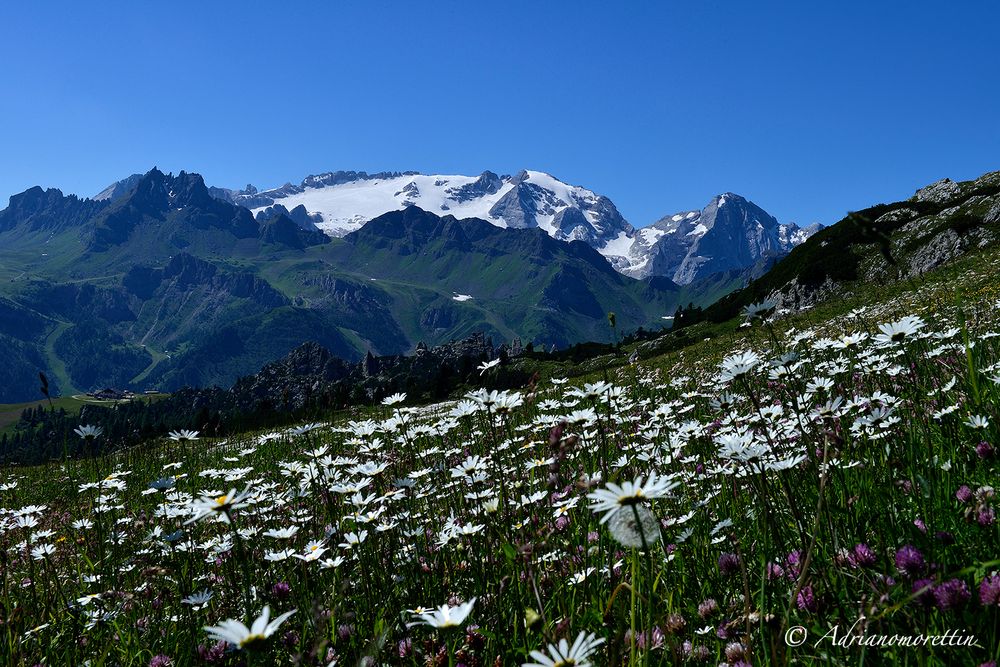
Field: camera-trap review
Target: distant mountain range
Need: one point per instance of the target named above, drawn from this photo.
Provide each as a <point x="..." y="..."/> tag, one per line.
<point x="160" y="284"/>
<point x="161" y="281"/>
<point x="729" y="234"/>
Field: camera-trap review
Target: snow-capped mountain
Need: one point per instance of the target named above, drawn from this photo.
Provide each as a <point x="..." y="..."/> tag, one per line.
<point x="729" y="233"/>
<point x="347" y="200"/>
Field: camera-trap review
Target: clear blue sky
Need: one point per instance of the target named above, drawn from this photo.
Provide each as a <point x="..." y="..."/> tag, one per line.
<point x="809" y="109"/>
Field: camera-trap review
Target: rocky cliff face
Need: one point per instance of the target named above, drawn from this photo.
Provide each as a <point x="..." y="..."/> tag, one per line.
<point x="49" y="210"/>
<point x="178" y="211"/>
<point x="730" y="233"/>
<point x="310" y="371"/>
<point x="891" y="242"/>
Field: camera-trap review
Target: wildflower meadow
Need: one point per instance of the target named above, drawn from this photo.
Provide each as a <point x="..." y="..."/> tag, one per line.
<point x="734" y="508"/>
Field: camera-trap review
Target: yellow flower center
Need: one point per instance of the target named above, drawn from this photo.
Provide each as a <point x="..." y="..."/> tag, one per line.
<point x="222" y="500"/>
<point x="628" y="501"/>
<point x="252" y="640"/>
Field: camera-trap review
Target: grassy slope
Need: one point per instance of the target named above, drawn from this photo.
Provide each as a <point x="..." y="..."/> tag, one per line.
<point x="867" y="503"/>
<point x="851" y="251"/>
<point x="497" y="315"/>
<point x="971" y="279"/>
<point x="56" y="365"/>
<point x="10" y="413"/>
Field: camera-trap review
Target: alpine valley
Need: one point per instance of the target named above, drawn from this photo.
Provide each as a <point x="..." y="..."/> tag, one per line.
<point x="160" y="281"/>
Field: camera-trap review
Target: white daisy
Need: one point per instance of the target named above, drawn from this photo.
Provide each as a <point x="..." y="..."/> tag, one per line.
<point x="565" y="655"/>
<point x="614" y="497"/>
<point x="445" y="616"/>
<point x="234" y="632"/>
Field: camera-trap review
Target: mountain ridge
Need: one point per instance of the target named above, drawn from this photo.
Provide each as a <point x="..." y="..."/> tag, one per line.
<point x="168" y="285"/>
<point x="341" y="202"/>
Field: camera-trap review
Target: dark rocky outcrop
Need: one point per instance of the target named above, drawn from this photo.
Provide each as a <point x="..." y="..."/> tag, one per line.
<point x="310" y="372"/>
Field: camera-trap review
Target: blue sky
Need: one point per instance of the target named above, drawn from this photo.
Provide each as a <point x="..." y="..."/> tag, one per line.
<point x="809" y="109"/>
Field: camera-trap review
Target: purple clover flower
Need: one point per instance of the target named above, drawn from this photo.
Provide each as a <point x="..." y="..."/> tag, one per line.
<point x="863" y="555"/>
<point x="952" y="594"/>
<point x="910" y="561"/>
<point x="729" y="564"/>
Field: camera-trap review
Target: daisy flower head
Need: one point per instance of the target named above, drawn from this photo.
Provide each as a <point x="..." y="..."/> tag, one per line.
<point x="759" y="310"/>
<point x="220" y="506"/>
<point x="507" y="401"/>
<point x="487" y="365"/>
<point x="850" y="341"/>
<point x="565" y="655"/>
<point x="87" y="599"/>
<point x="43" y="551"/>
<point x="183" y="435"/>
<point x="492" y="505"/>
<point x="613" y="497"/>
<point x="591" y="390"/>
<point x="330" y="563"/>
<point x="465" y="408"/>
<point x="445" y="616"/>
<point x="353" y="539"/>
<point x="88" y="432"/>
<point x="286" y="533"/>
<point x="738" y="365"/>
<point x="305" y="428"/>
<point x="394" y="399"/>
<point x="314" y="550"/>
<point x="234" y="632"/>
<point x="483" y="398"/>
<point x="198" y="600"/>
<point x="163" y="483"/>
<point x="977" y="422"/>
<point x="899" y="331"/>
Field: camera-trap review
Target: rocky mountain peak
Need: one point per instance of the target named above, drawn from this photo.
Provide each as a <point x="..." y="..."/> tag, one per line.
<point x="729" y="233"/>
<point x="118" y="188"/>
<point x="49" y="209"/>
<point x="939" y="191"/>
